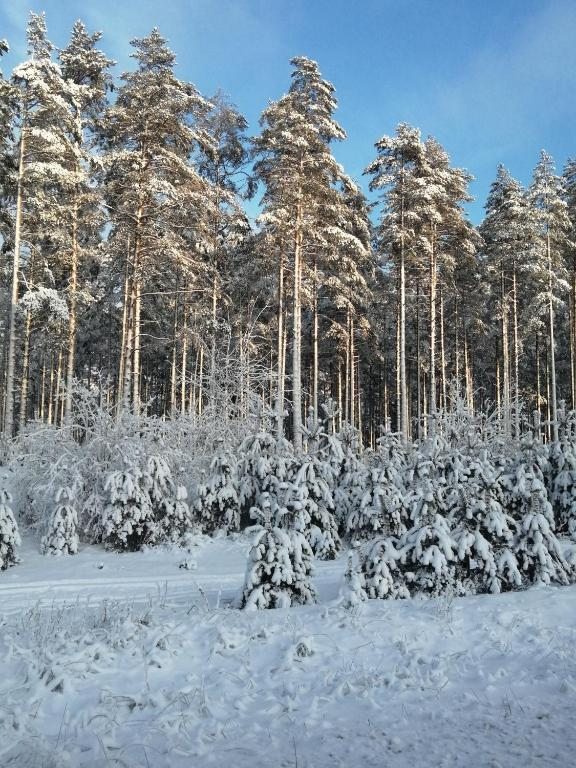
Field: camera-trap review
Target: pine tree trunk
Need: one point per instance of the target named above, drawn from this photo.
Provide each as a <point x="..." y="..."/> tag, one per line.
<point x="315" y="346"/>
<point x="352" y="375"/>
<point x="505" y="356"/>
<point x="11" y="361"/>
<point x="340" y="402"/>
<point x="403" y="421"/>
<point x="280" y="352"/>
<point x="212" y="396"/>
<point x="554" y="414"/>
<point x="297" y="331"/>
<point x="398" y="370"/>
<point x="442" y="354"/>
<point x="72" y="315"/>
<point x="51" y="389"/>
<point x="25" y="371"/>
<point x="418" y="364"/>
<point x="184" y="363"/>
<point x="121" y="397"/>
<point x="432" y="373"/>
<point x="573" y="336"/>
<point x="516" y="356"/>
<point x="200" y="381"/>
<point x="57" y="399"/>
<point x="538" y="377"/>
<point x="173" y="367"/>
<point x="42" y="389"/>
<point x="137" y="341"/>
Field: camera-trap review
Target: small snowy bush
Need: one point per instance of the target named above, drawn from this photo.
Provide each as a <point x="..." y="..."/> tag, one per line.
<point x="62" y="535"/>
<point x="9" y="535"/>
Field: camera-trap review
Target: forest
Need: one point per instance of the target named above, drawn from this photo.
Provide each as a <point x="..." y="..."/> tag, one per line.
<point x="132" y="271"/>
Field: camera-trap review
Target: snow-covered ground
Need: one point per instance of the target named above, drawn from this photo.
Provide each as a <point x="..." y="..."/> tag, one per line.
<point x="127" y="660"/>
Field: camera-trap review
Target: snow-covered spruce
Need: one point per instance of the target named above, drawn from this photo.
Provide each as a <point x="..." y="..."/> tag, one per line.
<point x="312" y="505"/>
<point x="9" y="535"/>
<point x="562" y="485"/>
<point x="62" y="535"/>
<point x="217" y="503"/>
<point x="427" y="557"/>
<point x="381" y="572"/>
<point x="129" y="521"/>
<point x="382" y="511"/>
<point x="264" y="465"/>
<point x="537" y="548"/>
<point x="353" y="592"/>
<point x="350" y="485"/>
<point x="517" y="481"/>
<point x="169" y="505"/>
<point x="483" y="536"/>
<point x="278" y="571"/>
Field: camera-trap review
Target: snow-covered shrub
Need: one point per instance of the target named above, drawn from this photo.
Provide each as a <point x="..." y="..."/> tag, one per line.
<point x="217" y="503"/>
<point x="62" y="535"/>
<point x="129" y="522"/>
<point x="278" y="571"/>
<point x="9" y="535"/>
<point x="311" y="505"/>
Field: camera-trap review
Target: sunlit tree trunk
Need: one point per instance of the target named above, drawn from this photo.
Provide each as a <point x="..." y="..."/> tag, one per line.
<point x="11" y="356"/>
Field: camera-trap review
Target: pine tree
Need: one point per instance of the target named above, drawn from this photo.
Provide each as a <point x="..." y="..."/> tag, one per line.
<point x="397" y="171"/>
<point x="508" y="236"/>
<point x="9" y="535"/>
<point x="46" y="173"/>
<point x="301" y="200"/>
<point x="62" y="537"/>
<point x="553" y="226"/>
<point x="157" y="200"/>
<point x="85" y="69"/>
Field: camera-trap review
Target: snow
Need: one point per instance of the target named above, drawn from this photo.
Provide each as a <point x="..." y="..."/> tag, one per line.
<point x="128" y="660"/>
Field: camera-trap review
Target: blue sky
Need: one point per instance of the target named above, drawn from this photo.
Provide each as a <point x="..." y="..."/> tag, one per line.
<point x="493" y="80"/>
